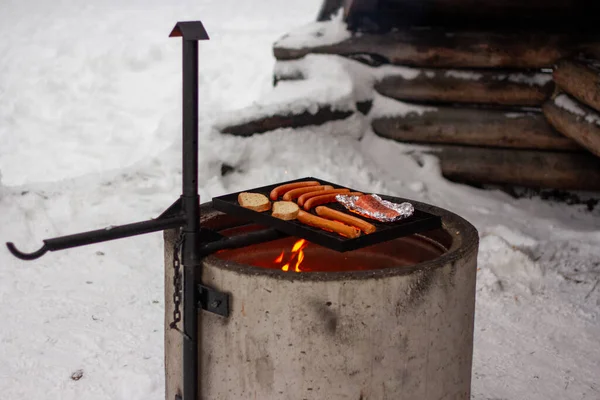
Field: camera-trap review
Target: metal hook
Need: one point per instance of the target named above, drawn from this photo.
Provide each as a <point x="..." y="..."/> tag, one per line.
<point x="26" y="256"/>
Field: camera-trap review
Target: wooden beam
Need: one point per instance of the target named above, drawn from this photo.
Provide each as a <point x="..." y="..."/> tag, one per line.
<point x="470" y="86"/>
<point x="536" y="169"/>
<point x="474" y="127"/>
<point x="575" y="120"/>
<point x="264" y="124"/>
<point x="442" y="49"/>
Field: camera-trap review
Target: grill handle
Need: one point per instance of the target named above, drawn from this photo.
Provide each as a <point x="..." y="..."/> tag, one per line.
<point x="247" y="239"/>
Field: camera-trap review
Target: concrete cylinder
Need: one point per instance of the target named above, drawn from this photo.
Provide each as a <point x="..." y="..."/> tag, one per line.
<point x="403" y="332"/>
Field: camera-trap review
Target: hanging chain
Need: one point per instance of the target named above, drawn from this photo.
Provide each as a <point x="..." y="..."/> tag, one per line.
<point x="177" y="279"/>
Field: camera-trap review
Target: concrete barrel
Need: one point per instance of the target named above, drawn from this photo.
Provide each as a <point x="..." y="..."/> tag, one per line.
<point x="402" y="332"/>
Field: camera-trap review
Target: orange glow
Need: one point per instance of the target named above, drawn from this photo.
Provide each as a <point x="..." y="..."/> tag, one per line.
<point x="280" y="258"/>
<point x="297" y="254"/>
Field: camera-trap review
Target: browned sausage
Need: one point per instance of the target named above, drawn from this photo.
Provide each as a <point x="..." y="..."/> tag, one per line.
<point x="325" y="224"/>
<point x="295" y="193"/>
<point x="329" y="213"/>
<point x="318" y="200"/>
<point x="321" y="198"/>
<point x="302" y="199"/>
<point x="281" y="190"/>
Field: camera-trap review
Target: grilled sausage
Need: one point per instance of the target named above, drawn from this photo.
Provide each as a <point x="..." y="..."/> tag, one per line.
<point x="325" y="224"/>
<point x="329" y="213"/>
<point x="283" y="189"/>
<point x="302" y="199"/>
<point x="295" y="193"/>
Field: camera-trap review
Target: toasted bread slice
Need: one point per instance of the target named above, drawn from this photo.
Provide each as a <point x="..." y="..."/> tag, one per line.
<point x="254" y="201"/>
<point x="285" y="210"/>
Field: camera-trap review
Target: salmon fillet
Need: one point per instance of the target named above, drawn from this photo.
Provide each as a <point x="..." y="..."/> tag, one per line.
<point x="371" y="205"/>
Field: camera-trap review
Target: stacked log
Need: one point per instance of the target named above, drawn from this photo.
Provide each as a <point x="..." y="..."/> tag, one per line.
<point x="290" y="120"/>
<point x="492" y="111"/>
<point x="527" y="168"/>
<point x="474" y="127"/>
<point x="488" y="90"/>
<point x="575" y="112"/>
<point x="438" y="48"/>
<point x="581" y="78"/>
<point x="476" y="87"/>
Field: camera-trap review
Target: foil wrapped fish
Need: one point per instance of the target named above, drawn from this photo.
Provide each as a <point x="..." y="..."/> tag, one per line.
<point x="374" y="207"/>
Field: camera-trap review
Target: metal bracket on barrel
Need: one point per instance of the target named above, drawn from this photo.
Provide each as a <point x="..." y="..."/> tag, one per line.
<point x="213" y="301"/>
<point x="210" y="299"/>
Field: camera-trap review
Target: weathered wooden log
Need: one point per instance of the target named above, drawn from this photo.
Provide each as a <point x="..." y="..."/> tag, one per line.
<point x="474" y="127"/>
<point x="580" y="79"/>
<point x="464" y="86"/>
<point x="441" y="49"/>
<point x="575" y="120"/>
<point x="264" y="124"/>
<point x="536" y="169"/>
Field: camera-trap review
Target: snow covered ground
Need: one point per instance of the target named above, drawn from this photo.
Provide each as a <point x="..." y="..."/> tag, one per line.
<point x="90" y="137"/>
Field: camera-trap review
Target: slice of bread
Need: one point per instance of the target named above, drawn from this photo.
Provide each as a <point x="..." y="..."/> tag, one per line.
<point x="254" y="201"/>
<point x="285" y="210"/>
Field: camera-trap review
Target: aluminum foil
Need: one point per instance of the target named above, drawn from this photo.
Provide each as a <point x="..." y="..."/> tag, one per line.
<point x="403" y="210"/>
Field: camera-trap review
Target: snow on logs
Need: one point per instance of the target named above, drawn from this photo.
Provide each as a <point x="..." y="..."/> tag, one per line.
<point x="575" y="120"/>
<point x="494" y="87"/>
<point x="474" y="127"/>
<point x="581" y="79"/>
<point x="438" y="48"/>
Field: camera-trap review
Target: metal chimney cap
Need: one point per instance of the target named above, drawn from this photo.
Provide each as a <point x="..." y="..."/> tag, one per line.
<point x="189" y="30"/>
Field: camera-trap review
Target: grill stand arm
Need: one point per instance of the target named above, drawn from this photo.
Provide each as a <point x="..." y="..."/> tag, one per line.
<point x="100" y="235"/>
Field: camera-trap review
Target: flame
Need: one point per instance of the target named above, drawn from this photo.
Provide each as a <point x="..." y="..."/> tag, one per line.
<point x="298" y="245"/>
<point x="300" y="258"/>
<point x="297" y="254"/>
<point x="280" y="258"/>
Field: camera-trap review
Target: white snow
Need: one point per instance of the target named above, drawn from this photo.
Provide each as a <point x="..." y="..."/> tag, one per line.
<point x="530" y="79"/>
<point x="388" y="107"/>
<point x="567" y="103"/>
<point x="316" y="33"/>
<point x="465" y="75"/>
<point x="325" y="80"/>
<point x="534" y="79"/>
<point x="515" y="115"/>
<point x="407" y="73"/>
<point x="90" y="132"/>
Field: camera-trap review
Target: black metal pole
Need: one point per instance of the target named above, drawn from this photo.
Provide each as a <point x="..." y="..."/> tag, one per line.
<point x="191" y="206"/>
